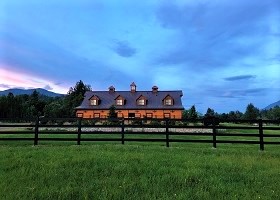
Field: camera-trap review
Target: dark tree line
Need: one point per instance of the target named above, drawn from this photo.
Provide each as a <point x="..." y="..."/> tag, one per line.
<point x="28" y="106"/>
<point x="251" y="113"/>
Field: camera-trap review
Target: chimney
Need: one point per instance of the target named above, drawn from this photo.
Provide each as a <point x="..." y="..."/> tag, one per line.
<point x="111" y="89"/>
<point x="155" y="89"/>
<point x="132" y="87"/>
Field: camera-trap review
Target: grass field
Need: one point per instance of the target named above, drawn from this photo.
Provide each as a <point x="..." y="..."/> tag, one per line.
<point x="138" y="170"/>
<point x="110" y="171"/>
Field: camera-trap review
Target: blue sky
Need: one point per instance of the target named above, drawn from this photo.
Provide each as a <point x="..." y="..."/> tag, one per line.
<point x="223" y="54"/>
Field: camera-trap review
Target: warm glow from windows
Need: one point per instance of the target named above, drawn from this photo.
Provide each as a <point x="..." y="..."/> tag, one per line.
<point x="141" y="102"/>
<point x="93" y="102"/>
<point x="168" y="102"/>
<point x="119" y="102"/>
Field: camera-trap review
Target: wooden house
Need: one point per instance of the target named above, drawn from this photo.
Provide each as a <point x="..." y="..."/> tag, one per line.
<point x="132" y="104"/>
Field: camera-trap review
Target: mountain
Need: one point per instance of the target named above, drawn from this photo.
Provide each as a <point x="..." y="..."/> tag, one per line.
<point x="41" y="91"/>
<point x="272" y="105"/>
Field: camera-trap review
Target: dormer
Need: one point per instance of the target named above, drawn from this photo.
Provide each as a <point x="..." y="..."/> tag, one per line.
<point x="132" y="87"/>
<point x="94" y="100"/>
<point x="111" y="89"/>
<point x="141" y="101"/>
<point x="155" y="89"/>
<point x="120" y="101"/>
<point x="168" y="100"/>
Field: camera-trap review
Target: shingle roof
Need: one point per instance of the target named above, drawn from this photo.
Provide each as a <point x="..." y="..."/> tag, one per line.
<point x="154" y="100"/>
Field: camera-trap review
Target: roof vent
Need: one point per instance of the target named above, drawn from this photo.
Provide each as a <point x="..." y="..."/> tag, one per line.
<point x="155" y="89"/>
<point x="111" y="89"/>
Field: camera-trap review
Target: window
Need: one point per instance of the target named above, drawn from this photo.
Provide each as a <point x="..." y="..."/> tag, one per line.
<point x="166" y="115"/>
<point x="93" y="102"/>
<point x="79" y="114"/>
<point x="119" y="102"/>
<point x="120" y="115"/>
<point x="149" y="115"/>
<point x="137" y="115"/>
<point x="96" y="115"/>
<point x="131" y="115"/>
<point x="168" y="102"/>
<point x="141" y="102"/>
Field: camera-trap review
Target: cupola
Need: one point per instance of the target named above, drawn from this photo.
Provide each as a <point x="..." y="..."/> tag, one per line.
<point x="132" y="87"/>
<point x="111" y="89"/>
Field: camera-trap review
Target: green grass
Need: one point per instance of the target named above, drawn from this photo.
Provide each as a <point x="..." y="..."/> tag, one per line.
<point x="137" y="172"/>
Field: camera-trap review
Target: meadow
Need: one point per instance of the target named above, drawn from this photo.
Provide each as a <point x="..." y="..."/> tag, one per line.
<point x="137" y="170"/>
<point x="113" y="171"/>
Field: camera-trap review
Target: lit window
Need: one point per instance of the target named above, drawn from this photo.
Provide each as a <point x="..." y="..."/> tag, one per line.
<point x="168" y="102"/>
<point x="93" y="102"/>
<point x="79" y="114"/>
<point x="166" y="115"/>
<point x="119" y="102"/>
<point x="141" y="102"/>
<point x="149" y="115"/>
<point x="96" y="115"/>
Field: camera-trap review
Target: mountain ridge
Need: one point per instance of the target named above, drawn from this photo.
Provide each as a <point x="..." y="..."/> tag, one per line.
<point x="17" y="91"/>
<point x="277" y="103"/>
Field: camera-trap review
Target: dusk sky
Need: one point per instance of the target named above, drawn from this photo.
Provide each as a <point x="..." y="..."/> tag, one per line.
<point x="223" y="54"/>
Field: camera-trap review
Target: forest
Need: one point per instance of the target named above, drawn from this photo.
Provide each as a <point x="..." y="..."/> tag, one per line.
<point x="29" y="106"/>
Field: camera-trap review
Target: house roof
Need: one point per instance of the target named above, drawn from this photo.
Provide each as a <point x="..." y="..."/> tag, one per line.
<point x="154" y="100"/>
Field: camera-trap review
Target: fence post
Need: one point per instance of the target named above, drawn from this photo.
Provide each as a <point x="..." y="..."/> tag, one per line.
<point x="214" y="134"/>
<point x="261" y="134"/>
<point x="36" y="136"/>
<point x="122" y="131"/>
<point x="167" y="132"/>
<point x="79" y="131"/>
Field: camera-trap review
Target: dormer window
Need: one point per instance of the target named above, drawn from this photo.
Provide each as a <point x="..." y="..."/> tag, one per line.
<point x="120" y="101"/>
<point x="141" y="101"/>
<point x="94" y="101"/>
<point x="168" y="101"/>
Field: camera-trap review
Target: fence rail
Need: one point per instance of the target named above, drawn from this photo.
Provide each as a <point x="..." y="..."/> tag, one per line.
<point x="122" y="129"/>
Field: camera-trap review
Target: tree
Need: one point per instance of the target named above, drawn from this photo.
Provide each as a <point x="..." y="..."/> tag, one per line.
<point x="251" y="112"/>
<point x="185" y="114"/>
<point x="272" y="113"/>
<point x="74" y="97"/>
<point x="210" y="113"/>
<point x="193" y="113"/>
<point x="112" y="112"/>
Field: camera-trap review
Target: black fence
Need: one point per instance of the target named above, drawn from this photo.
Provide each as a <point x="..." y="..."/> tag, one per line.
<point x="172" y="131"/>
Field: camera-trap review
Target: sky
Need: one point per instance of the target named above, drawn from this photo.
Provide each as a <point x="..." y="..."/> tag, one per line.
<point x="222" y="54"/>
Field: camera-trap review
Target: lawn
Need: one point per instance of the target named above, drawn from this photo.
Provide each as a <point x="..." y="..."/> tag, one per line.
<point x="114" y="171"/>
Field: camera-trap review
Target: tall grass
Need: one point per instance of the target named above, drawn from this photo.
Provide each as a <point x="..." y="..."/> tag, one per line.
<point x="137" y="172"/>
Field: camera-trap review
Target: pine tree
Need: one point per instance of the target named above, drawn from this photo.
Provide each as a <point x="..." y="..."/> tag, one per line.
<point x="193" y="113"/>
<point x="252" y="112"/>
<point x="112" y="112"/>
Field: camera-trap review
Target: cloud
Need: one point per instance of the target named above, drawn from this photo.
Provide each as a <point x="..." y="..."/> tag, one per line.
<point x="215" y="34"/>
<point x="124" y="49"/>
<point x="242" y="93"/>
<point x="48" y="87"/>
<point x="241" y="77"/>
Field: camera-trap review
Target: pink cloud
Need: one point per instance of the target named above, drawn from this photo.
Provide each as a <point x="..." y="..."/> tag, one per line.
<point x="13" y="79"/>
